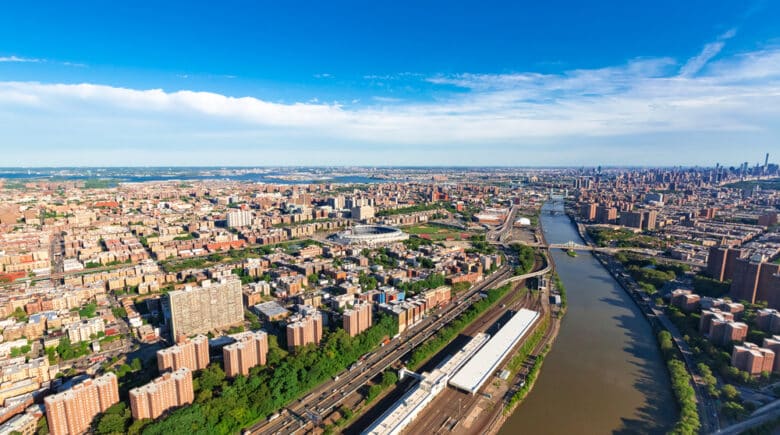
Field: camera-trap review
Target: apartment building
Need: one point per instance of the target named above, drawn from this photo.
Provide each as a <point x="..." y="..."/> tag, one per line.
<point x="171" y="390"/>
<point x="190" y="353"/>
<point x="208" y="307"/>
<point x="71" y="412"/>
<point x="358" y="318"/>
<point x="303" y="330"/>
<point x="249" y="350"/>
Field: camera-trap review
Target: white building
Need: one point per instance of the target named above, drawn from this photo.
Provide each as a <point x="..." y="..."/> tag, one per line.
<point x="82" y="331"/>
<point x="239" y="219"/>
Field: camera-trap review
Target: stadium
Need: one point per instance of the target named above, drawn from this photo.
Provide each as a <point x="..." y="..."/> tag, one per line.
<point x="369" y="235"/>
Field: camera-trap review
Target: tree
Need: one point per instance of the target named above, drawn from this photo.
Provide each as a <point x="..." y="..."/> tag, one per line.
<point x="114" y="420"/>
<point x="665" y="343"/>
<point x="19" y="315"/>
<point x="211" y="377"/>
<point x="729" y="392"/>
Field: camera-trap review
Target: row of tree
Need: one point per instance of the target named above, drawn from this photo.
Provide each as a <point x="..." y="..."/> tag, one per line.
<point x="225" y="406"/>
<point x="681" y="385"/>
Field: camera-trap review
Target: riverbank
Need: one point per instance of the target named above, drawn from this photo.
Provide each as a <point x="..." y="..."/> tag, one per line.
<point x="647" y="308"/>
<point x="603" y="345"/>
<point x="500" y="417"/>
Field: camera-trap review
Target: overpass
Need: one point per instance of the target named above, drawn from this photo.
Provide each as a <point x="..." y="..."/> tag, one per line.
<point x="574" y="246"/>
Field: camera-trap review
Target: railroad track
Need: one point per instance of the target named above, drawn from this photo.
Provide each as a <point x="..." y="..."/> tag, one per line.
<point x="324" y="399"/>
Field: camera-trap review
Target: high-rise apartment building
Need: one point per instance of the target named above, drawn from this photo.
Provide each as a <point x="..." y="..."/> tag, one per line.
<point x="205" y="308"/>
<point x="170" y="390"/>
<point x="606" y="215"/>
<point x="755" y="281"/>
<point x="303" y="330"/>
<point x="768" y="219"/>
<point x="85" y="330"/>
<point x="241" y="218"/>
<point x="720" y="262"/>
<point x="752" y="359"/>
<point x="588" y="211"/>
<point x="72" y="411"/>
<point x="649" y="218"/>
<point x="358" y="319"/>
<point x="336" y="202"/>
<point x="362" y="212"/>
<point x="249" y="350"/>
<point x="632" y="219"/>
<point x="190" y="353"/>
<point x="773" y="344"/>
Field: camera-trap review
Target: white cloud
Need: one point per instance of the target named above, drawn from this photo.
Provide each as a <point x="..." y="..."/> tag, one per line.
<point x="696" y="63"/>
<point x="739" y="95"/>
<point x="19" y="59"/>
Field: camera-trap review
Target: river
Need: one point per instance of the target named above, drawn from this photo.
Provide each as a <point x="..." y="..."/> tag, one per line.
<point x="604" y="373"/>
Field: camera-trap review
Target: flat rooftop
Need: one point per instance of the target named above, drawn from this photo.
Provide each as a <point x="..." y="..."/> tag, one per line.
<point x="474" y="373"/>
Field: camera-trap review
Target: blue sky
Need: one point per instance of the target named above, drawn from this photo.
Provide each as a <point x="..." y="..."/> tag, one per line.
<point x="444" y="83"/>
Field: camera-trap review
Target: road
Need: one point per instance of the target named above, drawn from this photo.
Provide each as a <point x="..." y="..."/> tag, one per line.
<point x="756" y="419"/>
<point x="498" y="235"/>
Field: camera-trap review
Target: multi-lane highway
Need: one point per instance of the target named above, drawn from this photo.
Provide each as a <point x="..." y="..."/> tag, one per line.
<point x="331" y="394"/>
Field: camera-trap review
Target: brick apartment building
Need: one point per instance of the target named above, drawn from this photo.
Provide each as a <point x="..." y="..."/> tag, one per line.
<point x="170" y="390"/>
<point x="190" y="353"/>
<point x="358" y="319"/>
<point x="249" y="350"/>
<point x="72" y="411"/>
<point x="752" y="359"/>
<point x="303" y="330"/>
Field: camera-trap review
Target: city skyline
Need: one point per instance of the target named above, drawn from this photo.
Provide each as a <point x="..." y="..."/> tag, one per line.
<point x="511" y="85"/>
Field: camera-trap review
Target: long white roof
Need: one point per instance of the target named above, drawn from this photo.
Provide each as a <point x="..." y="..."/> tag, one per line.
<point x="475" y="372"/>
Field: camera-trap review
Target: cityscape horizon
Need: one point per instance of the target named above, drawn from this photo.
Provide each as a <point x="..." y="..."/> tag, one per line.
<point x="390" y="218"/>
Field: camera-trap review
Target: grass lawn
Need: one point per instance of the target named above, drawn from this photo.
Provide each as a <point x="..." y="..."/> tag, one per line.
<point x="437" y="233"/>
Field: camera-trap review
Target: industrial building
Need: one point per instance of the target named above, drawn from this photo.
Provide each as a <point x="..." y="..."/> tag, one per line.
<point x="474" y="373"/>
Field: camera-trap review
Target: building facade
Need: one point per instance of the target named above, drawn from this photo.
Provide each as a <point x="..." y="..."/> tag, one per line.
<point x="72" y="411"/>
<point x="249" y="350"/>
<point x="358" y="319"/>
<point x="170" y="390"/>
<point x="208" y="307"/>
<point x="190" y="353"/>
<point x="303" y="330"/>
